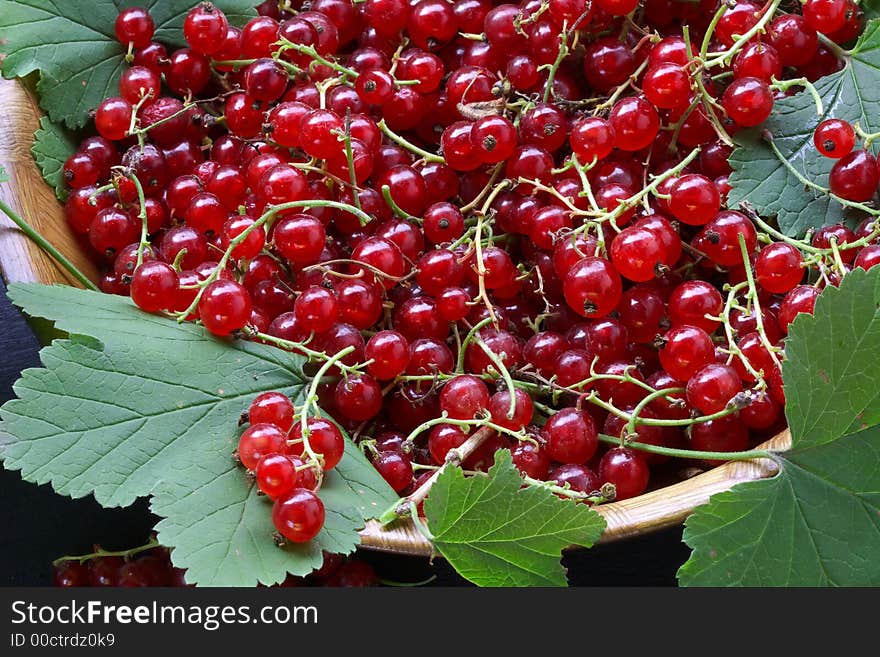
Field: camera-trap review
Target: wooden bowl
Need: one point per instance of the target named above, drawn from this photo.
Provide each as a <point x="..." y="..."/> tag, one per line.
<point x="21" y="260"/>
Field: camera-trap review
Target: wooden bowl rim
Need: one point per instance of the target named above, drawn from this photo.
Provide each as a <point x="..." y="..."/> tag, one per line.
<point x="21" y="260"/>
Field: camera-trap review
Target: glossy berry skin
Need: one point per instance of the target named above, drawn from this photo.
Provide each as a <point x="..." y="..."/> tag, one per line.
<point x="712" y="387"/>
<point x="531" y="460"/>
<point x="635" y="123"/>
<point x="571" y="436"/>
<point x="70" y="574"/>
<point x="463" y="397"/>
<point x="276" y="475"/>
<point x="592" y="287"/>
<point x="694" y="200"/>
<point x="300" y="238"/>
<point x="637" y="254"/>
<point x="358" y="397"/>
<point x="225" y="306"/>
<point x="834" y="138"/>
<point x="779" y="267"/>
<point x="499" y="409"/>
<point x="685" y="350"/>
<point x="395" y="468"/>
<point x="690" y="302"/>
<point x="801" y="299"/>
<point x="389" y="351"/>
<point x="748" y="101"/>
<point x="316" y="309"/>
<point x="325" y="439"/>
<point x="578" y="478"/>
<point x="726" y="434"/>
<point x="154" y="286"/>
<point x="205" y="28"/>
<point x="442" y="439"/>
<point x="113" y="118"/>
<point x="272" y="408"/>
<point x="591" y="139"/>
<point x="666" y="85"/>
<point x="855" y="176"/>
<point x="257" y="441"/>
<point x="298" y="517"/>
<point x="826" y="16"/>
<point x="840" y="235"/>
<point x="134" y="26"/>
<point x="720" y="238"/>
<point x="626" y="469"/>
<point x="758" y="60"/>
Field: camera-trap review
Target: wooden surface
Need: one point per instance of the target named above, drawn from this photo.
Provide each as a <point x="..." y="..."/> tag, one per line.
<point x="22" y="261"/>
<point x="30" y="197"/>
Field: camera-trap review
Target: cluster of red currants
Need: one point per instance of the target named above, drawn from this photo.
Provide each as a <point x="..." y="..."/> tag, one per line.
<point x="153" y="567"/>
<point x="288" y="460"/>
<point x="504" y="224"/>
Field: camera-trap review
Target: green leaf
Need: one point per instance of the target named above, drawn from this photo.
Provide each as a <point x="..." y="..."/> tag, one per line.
<point x="52" y="146"/>
<point x="831" y="369"/>
<point x="496" y="533"/>
<point x="136" y="404"/>
<point x="73" y="46"/>
<point x="766" y="180"/>
<point x="871" y="9"/>
<point x="817" y="522"/>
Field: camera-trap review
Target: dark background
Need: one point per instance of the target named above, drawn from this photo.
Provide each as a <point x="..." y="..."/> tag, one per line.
<point x="38" y="526"/>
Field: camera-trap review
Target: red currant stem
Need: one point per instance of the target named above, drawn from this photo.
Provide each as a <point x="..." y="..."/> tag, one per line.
<point x="684" y="117"/>
<point x="732" y="348"/>
<point x="841" y="53"/>
<point x="658" y="422"/>
<point x="561" y="55"/>
<point x="636" y="198"/>
<point x="481" y="269"/>
<point x="869" y="138"/>
<point x="657" y="394"/>
<point x="305" y="166"/>
<point x="710" y="31"/>
<point x="286" y="44"/>
<point x="785" y="85"/>
<point x="358" y="263"/>
<point x="396" y="209"/>
<point x="176" y="265"/>
<point x="187" y="106"/>
<point x="503" y="372"/>
<point x="44" y="244"/>
<point x="622" y="87"/>
<point x="312" y="400"/>
<point x="234" y="64"/>
<point x="470" y="36"/>
<point x="709" y="105"/>
<point x="753" y="296"/>
<point x="691" y="453"/>
<point x="563" y="491"/>
<point x="134" y="119"/>
<point x="395" y="58"/>
<point x="408" y="505"/>
<point x="98" y="553"/>
<point x="491" y="188"/>
<point x="838" y="261"/>
<point x="349" y="156"/>
<point x="723" y="58"/>
<point x="301" y="347"/>
<point x="142" y="215"/>
<point x="427" y="156"/>
<point x="100" y="190"/>
<point x="586" y="186"/>
<point x="782" y="237"/>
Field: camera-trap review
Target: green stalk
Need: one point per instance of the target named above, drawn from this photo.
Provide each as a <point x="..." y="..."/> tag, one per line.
<point x="44" y="244"/>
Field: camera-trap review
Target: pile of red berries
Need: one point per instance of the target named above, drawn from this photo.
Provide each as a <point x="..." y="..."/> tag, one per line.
<point x="152" y="567"/>
<point x="491" y="225"/>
